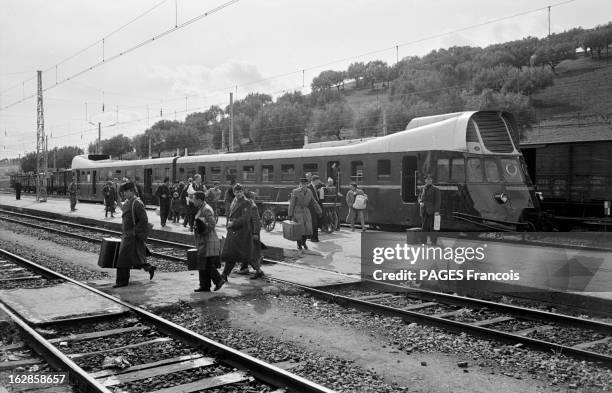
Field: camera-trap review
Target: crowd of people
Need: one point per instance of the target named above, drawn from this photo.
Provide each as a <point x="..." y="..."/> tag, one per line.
<point x="197" y="206"/>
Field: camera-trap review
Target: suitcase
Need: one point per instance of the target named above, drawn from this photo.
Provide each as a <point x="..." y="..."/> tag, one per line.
<point x="109" y="252"/>
<point x="437" y="220"/>
<point x="192" y="259"/>
<point x="293" y="230"/>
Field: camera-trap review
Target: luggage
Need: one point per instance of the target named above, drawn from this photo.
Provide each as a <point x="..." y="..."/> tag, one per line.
<point x="437" y="220"/>
<point x="192" y="259"/>
<point x="109" y="252"/>
<point x="361" y="202"/>
<point x="293" y="230"/>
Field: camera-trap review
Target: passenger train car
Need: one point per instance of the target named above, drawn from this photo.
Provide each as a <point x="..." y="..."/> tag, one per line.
<point x="473" y="156"/>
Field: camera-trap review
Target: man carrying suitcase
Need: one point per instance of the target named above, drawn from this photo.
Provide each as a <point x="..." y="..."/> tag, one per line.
<point x="132" y="252"/>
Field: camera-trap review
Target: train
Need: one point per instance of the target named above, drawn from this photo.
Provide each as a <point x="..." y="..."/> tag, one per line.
<point x="473" y="156"/>
<point x="56" y="182"/>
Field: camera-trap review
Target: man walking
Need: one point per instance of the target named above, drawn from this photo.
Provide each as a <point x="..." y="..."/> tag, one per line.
<point x="241" y="224"/>
<point x="132" y="251"/>
<point x="314" y="186"/>
<point x="256" y="256"/>
<point x="72" y="192"/>
<point x="164" y="198"/>
<point x="208" y="245"/>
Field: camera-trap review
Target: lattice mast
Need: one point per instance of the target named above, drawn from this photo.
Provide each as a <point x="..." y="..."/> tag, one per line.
<point x="41" y="151"/>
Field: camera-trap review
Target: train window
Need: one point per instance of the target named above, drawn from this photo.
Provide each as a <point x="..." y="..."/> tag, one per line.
<point x="230" y="174"/>
<point x="357" y="171"/>
<point x="117" y="172"/>
<point x="491" y="170"/>
<point x="458" y="170"/>
<point x="511" y="170"/>
<point x="474" y="169"/>
<point x="443" y="170"/>
<point x="110" y="175"/>
<point x="157" y="174"/>
<point x="383" y="169"/>
<point x="215" y="173"/>
<point x="166" y="173"/>
<point x="248" y="173"/>
<point x="129" y="173"/>
<point x="182" y="171"/>
<point x="287" y="172"/>
<point x="313" y="168"/>
<point x="267" y="173"/>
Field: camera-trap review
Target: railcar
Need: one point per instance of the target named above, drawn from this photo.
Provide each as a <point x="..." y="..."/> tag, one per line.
<point x="473" y="156"/>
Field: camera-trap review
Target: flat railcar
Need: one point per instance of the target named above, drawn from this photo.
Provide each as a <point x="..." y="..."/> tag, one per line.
<point x="473" y="157"/>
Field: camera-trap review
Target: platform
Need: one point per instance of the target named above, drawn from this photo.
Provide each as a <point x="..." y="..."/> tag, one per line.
<point x="335" y="259"/>
<point x="64" y="301"/>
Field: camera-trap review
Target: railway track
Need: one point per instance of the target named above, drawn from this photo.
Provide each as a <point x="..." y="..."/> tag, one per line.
<point x="542" y="330"/>
<point x="130" y="349"/>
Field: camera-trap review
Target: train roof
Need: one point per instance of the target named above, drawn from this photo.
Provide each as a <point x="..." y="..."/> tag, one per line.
<point x="82" y="162"/>
<point x="443" y="132"/>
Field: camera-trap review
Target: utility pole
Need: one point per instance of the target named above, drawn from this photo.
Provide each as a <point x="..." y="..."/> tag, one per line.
<point x="41" y="191"/>
<point x="384" y="121"/>
<point x="149" y="147"/>
<point x="99" y="150"/>
<point x="231" y="130"/>
<point x="549" y="21"/>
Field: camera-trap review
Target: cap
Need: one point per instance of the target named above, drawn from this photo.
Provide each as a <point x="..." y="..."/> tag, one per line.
<point x="238" y="187"/>
<point x="315" y="177"/>
<point x="303" y="180"/>
<point x="353" y="184"/>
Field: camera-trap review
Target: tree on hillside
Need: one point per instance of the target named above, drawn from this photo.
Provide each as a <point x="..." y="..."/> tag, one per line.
<point x="356" y="71"/>
<point x="330" y="121"/>
<point x="182" y="137"/>
<point x="552" y="53"/>
<point x="517" y="104"/>
<point x="327" y="79"/>
<point x="375" y="72"/>
<point x="322" y="98"/>
<point x="117" y="146"/>
<point x="598" y="39"/>
<point x="251" y="104"/>
<point x="28" y="162"/>
<point x="64" y="155"/>
<point x="280" y="126"/>
<point x="368" y="121"/>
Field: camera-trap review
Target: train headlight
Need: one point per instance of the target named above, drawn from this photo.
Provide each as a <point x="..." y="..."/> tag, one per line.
<point x="501" y="197"/>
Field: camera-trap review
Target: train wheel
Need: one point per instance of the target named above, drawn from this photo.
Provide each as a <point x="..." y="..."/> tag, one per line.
<point x="268" y="221"/>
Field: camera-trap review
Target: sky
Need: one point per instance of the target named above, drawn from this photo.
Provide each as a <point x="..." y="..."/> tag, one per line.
<point x="214" y="47"/>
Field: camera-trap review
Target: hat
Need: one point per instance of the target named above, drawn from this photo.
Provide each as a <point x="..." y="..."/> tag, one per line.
<point x="238" y="187"/>
<point x="129" y="186"/>
<point x="353" y="184"/>
<point x="201" y="195"/>
<point x="303" y="180"/>
<point x="315" y="177"/>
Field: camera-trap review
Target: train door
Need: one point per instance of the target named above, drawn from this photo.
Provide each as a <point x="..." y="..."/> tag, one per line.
<point x="93" y="183"/>
<point x="148" y="178"/>
<point x="409" y="179"/>
<point x="333" y="171"/>
<point x="202" y="172"/>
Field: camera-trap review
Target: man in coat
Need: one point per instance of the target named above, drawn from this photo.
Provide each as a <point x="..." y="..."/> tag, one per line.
<point x="256" y="256"/>
<point x="299" y="210"/>
<point x="164" y="196"/>
<point x="110" y="196"/>
<point x="208" y="245"/>
<point x="314" y="186"/>
<point x="17" y="189"/>
<point x="241" y="225"/>
<point x="429" y="202"/>
<point x="72" y="192"/>
<point x="132" y="251"/>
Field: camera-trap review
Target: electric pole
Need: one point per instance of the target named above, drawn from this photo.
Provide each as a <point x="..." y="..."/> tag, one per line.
<point x="99" y="150"/>
<point x="41" y="161"/>
<point x="549" y="21"/>
<point x="231" y="130"/>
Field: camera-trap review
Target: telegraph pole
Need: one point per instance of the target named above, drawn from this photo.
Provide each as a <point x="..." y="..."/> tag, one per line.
<point x="41" y="162"/>
<point x="549" y="21"/>
<point x="99" y="150"/>
<point x="231" y="130"/>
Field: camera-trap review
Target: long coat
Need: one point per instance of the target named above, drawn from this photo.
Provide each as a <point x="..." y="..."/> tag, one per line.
<point x="110" y="195"/>
<point x="132" y="251"/>
<point x="430" y="198"/>
<point x="301" y="200"/>
<point x="244" y="225"/>
<point x="207" y="243"/>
